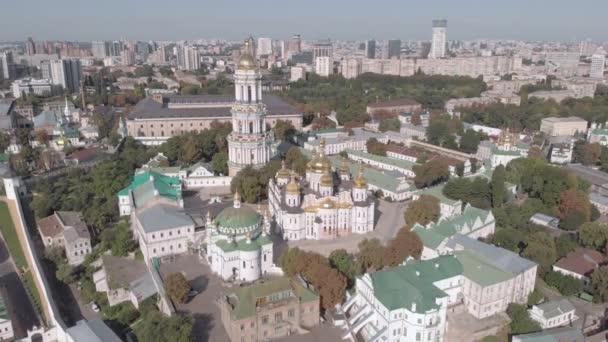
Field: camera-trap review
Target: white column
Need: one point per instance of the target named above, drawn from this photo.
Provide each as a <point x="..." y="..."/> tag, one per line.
<point x="254" y="95"/>
<point x="259" y="88"/>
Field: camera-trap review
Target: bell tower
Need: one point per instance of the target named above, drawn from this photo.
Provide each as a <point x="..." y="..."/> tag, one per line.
<point x="249" y="143"/>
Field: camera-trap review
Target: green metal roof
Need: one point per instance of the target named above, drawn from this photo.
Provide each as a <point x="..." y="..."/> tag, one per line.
<point x="437" y="192"/>
<point x="400" y="163"/>
<point x="600" y="131"/>
<point x="373" y="176"/>
<point x="402" y="286"/>
<point x="242" y="217"/>
<point x="246" y="297"/>
<point x="165" y="185"/>
<point x="243" y="245"/>
<point x="429" y="237"/>
<point x="479" y="271"/>
<point x="433" y="236"/>
<point x="325" y="131"/>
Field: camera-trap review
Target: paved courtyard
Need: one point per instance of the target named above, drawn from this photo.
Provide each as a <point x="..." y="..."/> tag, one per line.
<point x="388" y="224"/>
<point x="464" y="327"/>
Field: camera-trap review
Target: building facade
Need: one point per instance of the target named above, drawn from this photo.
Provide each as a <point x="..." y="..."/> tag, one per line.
<point x="558" y="126"/>
<point x="439" y="41"/>
<point x="250" y="142"/>
<point x="67" y="230"/>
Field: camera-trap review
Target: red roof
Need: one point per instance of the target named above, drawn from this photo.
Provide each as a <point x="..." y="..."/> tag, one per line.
<point x="581" y="261"/>
<point x="50" y="226"/>
<point x="394" y="103"/>
<point x="403" y="150"/>
<point x="450" y="161"/>
<point x="84" y="153"/>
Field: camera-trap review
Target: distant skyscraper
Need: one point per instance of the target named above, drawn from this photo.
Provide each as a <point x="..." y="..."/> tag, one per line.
<point x="264" y="46"/>
<point x="7" y="66"/>
<point x="115" y="48"/>
<point x="324" y="66"/>
<point x="143" y="49"/>
<point x="192" y="58"/>
<point x="100" y="49"/>
<point x="127" y="57"/>
<point x="64" y="72"/>
<point x="370" y="48"/>
<point x="295" y="44"/>
<point x="30" y="47"/>
<point x="598" y="62"/>
<point x="394" y="48"/>
<point x="439" y="41"/>
<point x="322" y="48"/>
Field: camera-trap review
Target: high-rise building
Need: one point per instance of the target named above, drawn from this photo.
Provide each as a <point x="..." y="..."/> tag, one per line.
<point x="127" y="57"/>
<point x="100" y="49"/>
<point x="295" y="44"/>
<point x="598" y="62"/>
<point x="30" y="47"/>
<point x="143" y="50"/>
<point x="192" y="58"/>
<point x="322" y="48"/>
<point x="370" y="48"/>
<point x="249" y="143"/>
<point x="324" y="66"/>
<point x="115" y="48"/>
<point x="264" y="46"/>
<point x="439" y="41"/>
<point x="64" y="72"/>
<point x="394" y="48"/>
<point x="7" y="66"/>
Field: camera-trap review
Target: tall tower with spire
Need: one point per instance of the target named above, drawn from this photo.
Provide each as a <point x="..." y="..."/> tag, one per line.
<point x="250" y="143"/>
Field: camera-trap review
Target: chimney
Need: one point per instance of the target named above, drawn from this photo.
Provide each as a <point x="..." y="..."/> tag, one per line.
<point x="413" y="307"/>
<point x="436" y="265"/>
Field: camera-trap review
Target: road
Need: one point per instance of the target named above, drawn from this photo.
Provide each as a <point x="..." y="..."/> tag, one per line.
<point x="390" y="220"/>
<point x="582" y="307"/>
<point x="17" y="302"/>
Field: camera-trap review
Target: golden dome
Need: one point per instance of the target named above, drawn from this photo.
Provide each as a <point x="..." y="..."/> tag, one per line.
<point x="247" y="62"/>
<point x="320" y="162"/>
<point x="360" y="181"/>
<point x="343" y="167"/>
<point x="283" y="171"/>
<point x="327" y="204"/>
<point x="327" y="179"/>
<point x="292" y="187"/>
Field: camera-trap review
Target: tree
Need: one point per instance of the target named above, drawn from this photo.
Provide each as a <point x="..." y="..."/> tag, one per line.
<point x="375" y="147"/>
<point x="521" y="323"/>
<point x="469" y="141"/>
<point x="593" y="235"/>
<point x="371" y="255"/>
<point x="430" y="173"/>
<point x="508" y="238"/>
<point x="540" y="248"/>
<point x="389" y="124"/>
<point x="599" y="283"/>
<point x="574" y="201"/>
<point x="416" y="120"/>
<point x="460" y="169"/>
<point x="5" y="141"/>
<point x="422" y="211"/>
<point x="283" y="130"/>
<point x="219" y="163"/>
<point x="498" y="186"/>
<point x="155" y="327"/>
<point x="65" y="273"/>
<point x="405" y="244"/>
<point x="565" y="244"/>
<point x="177" y="287"/>
<point x="566" y="285"/>
<point x="535" y="297"/>
<point x="42" y="136"/>
<point x="591" y="153"/>
<point x="535" y="152"/>
<point x="344" y="262"/>
<point x="296" y="160"/>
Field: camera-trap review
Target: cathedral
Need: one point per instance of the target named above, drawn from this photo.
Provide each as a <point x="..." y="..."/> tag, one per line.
<point x="250" y="142"/>
<point x="323" y="205"/>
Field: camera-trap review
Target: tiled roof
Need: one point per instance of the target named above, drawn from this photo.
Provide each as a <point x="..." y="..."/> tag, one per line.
<point x="50" y="226"/>
<point x="581" y="261"/>
<point x="166" y="186"/>
<point x="433" y="235"/>
<point x="403" y="286"/>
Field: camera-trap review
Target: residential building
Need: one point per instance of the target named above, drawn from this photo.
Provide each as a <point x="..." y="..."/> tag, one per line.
<point x="563" y="63"/>
<point x="370" y="49"/>
<point x="402" y="166"/>
<point x="313" y="209"/>
<point x="580" y="263"/>
<point x="6" y="324"/>
<point x="148" y="186"/>
<point x="91" y="331"/>
<point x="42" y="87"/>
<point x="569" y="334"/>
<point x="410" y="131"/>
<point x="297" y="73"/>
<point x="558" y="126"/>
<point x="394" y="48"/>
<point x="8" y="68"/>
<point x="64" y="72"/>
<point x="100" y="49"/>
<point x="439" y="41"/>
<point x="127" y="57"/>
<point x="598" y="63"/>
<point x="598" y="135"/>
<point x="394" y="106"/>
<point x="553" y="314"/>
<point x="250" y="143"/>
<point x="66" y="229"/>
<point x="264" y="47"/>
<point x="406" y="118"/>
<point x="561" y="153"/>
<point x="324" y="66"/>
<point x="322" y="48"/>
<point x="405" y="303"/>
<point x="124" y="279"/>
<point x="30" y="47"/>
<point x="188" y="58"/>
<point x="555" y="95"/>
<point x="237" y="245"/>
<point x="545" y="220"/>
<point x="274" y="309"/>
<point x="473" y="222"/>
<point x="351" y="67"/>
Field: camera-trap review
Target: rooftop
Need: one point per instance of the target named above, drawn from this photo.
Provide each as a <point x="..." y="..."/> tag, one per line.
<point x="394" y="103"/>
<point x="554" y="119"/>
<point x="121" y="271"/>
<point x="581" y="261"/>
<point x="162" y="216"/>
<point x="92" y="331"/>
<point x="569" y="334"/>
<point x="555" y="308"/>
<point x="479" y="271"/>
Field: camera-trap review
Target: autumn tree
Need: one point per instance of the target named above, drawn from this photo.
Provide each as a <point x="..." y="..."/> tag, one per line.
<point x="424" y="210"/>
<point x="591" y="153"/>
<point x="296" y="161"/>
<point x="405" y="244"/>
<point x="389" y="124"/>
<point x="371" y="255"/>
<point x="574" y="202"/>
<point x="42" y="136"/>
<point x="430" y="173"/>
<point x="177" y="287"/>
<point x="416" y="120"/>
<point x="375" y="147"/>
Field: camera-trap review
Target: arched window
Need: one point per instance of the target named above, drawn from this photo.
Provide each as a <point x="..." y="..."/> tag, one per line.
<point x="249" y="94"/>
<point x="251" y="127"/>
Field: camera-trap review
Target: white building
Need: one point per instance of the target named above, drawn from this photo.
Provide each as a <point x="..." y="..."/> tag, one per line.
<point x="329" y="205"/>
<point x="66" y="229"/>
<point x="147" y="186"/>
<point x="264" y="46"/>
<point x="406" y="303"/>
<point x="42" y="87"/>
<point x="249" y="143"/>
<point x="598" y="135"/>
<point x="64" y="72"/>
<point x="553" y="314"/>
<point x="598" y="63"/>
<point x="324" y="66"/>
<point x="561" y="153"/>
<point x="123" y="279"/>
<point x="567" y="126"/>
<point x="297" y="73"/>
<point x="507" y="149"/>
<point x="439" y="41"/>
<point x="189" y="58"/>
<point x="237" y="244"/>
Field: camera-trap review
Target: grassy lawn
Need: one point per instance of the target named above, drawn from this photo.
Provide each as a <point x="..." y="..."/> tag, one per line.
<point x="10" y="236"/>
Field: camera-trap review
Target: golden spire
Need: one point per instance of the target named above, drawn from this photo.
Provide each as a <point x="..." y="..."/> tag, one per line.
<point x="343" y="166"/>
<point x="283" y="171"/>
<point x="247" y="62"/>
<point x="326" y="178"/>
<point x="293" y="187"/>
<point x="360" y="181"/>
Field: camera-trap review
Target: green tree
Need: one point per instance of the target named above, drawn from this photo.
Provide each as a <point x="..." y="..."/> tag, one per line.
<point x="375" y="147"/>
<point x="5" y="141"/>
<point x="219" y="163"/>
<point x="344" y="262"/>
<point x="540" y="248"/>
<point x="177" y="287"/>
<point x="422" y="211"/>
<point x="371" y="255"/>
<point x="566" y="285"/>
<point x="155" y="327"/>
<point x="470" y="141"/>
<point x="296" y="160"/>
<point x="283" y="130"/>
<point x="65" y="273"/>
<point x="498" y="186"/>
<point x="565" y="244"/>
<point x="430" y="173"/>
<point x="508" y="238"/>
<point x="521" y="323"/>
<point x="599" y="283"/>
<point x="390" y="124"/>
<point x="593" y="235"/>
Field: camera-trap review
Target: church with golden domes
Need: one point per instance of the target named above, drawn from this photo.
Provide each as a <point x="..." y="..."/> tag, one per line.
<point x="251" y="141"/>
<point x="507" y="149"/>
<point x="326" y="204"/>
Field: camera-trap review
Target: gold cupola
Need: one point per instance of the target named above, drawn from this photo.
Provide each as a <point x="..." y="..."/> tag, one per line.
<point x="360" y="181"/>
<point x="292" y="187"/>
<point x="283" y="171"/>
<point x="327" y="179"/>
<point x="247" y="62"/>
<point x="320" y="162"/>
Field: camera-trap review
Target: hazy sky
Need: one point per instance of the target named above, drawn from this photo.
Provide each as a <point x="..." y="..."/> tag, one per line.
<point x="565" y="20"/>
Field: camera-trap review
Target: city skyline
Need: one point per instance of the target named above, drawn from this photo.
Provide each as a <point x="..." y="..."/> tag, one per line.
<point x="559" y="20"/>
